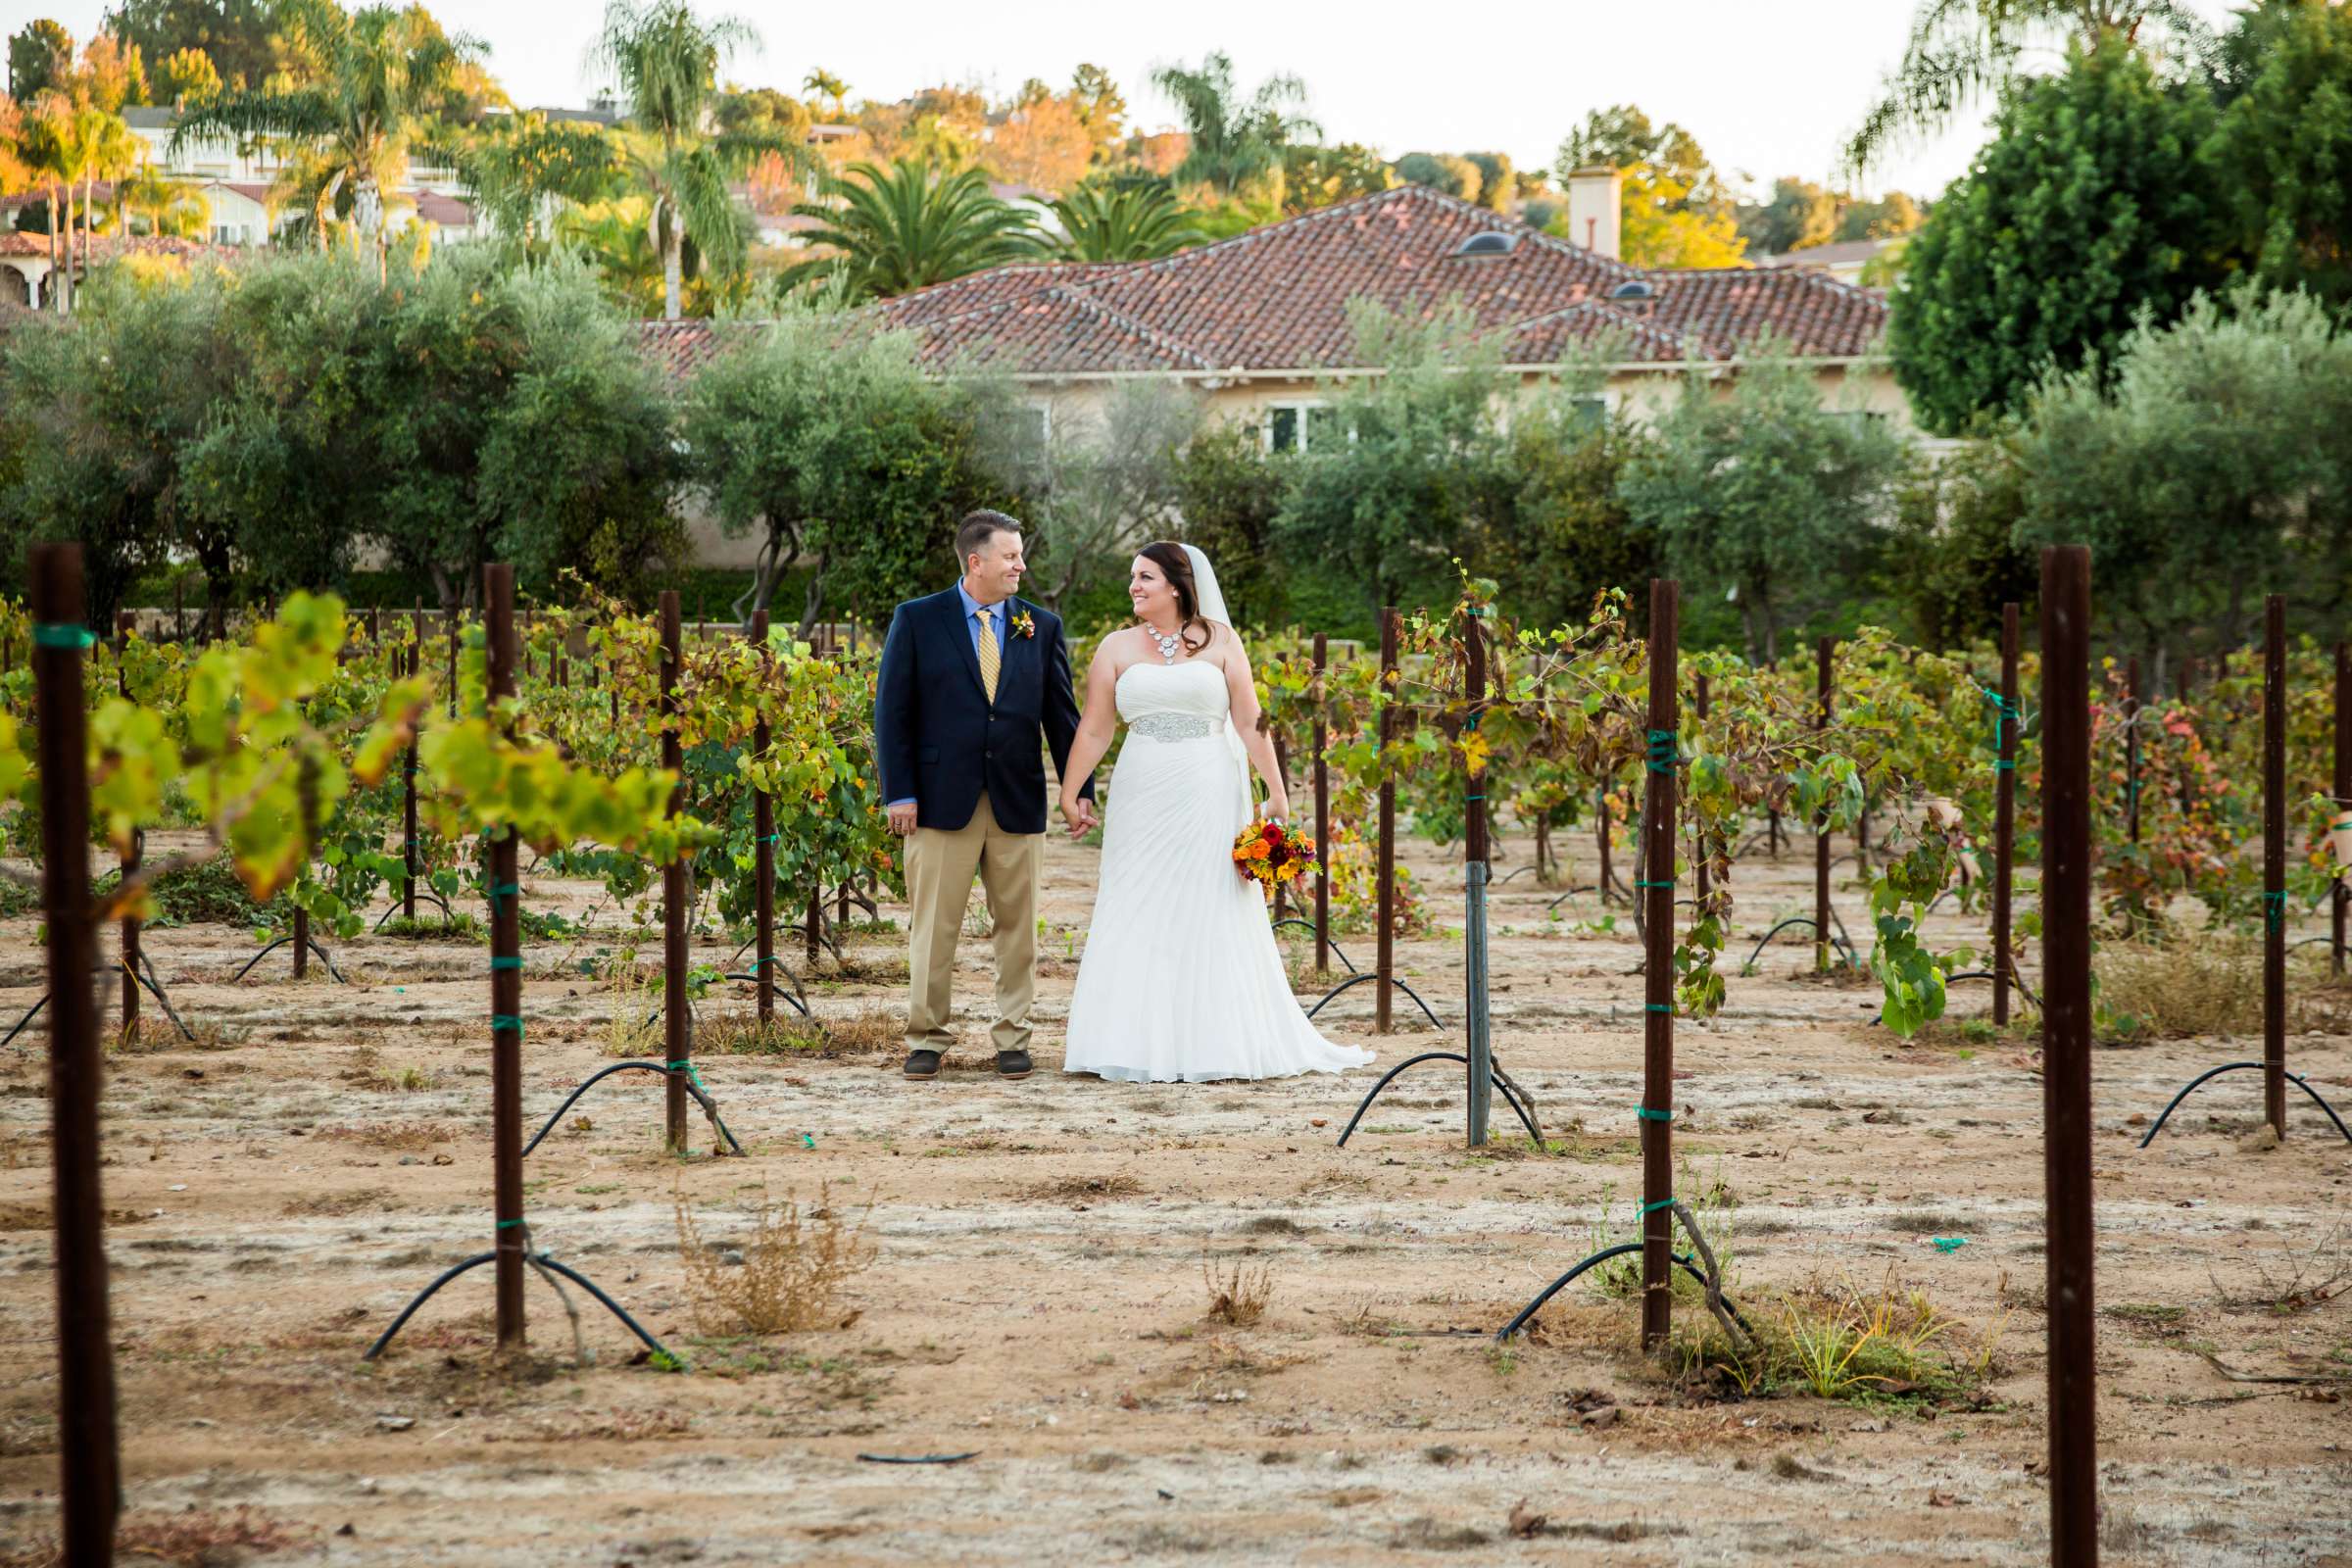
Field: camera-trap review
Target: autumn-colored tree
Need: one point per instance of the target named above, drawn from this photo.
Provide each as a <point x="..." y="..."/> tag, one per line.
<point x="1044" y="145"/>
<point x="1321" y="177"/>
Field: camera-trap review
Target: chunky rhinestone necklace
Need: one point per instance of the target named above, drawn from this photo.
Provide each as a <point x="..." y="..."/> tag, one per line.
<point x="1167" y="644"/>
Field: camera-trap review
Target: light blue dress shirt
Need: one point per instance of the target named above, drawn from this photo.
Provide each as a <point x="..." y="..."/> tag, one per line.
<point x="973" y="610"/>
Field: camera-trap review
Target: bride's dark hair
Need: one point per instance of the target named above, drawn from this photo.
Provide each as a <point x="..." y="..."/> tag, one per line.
<point x="1177" y="566"/>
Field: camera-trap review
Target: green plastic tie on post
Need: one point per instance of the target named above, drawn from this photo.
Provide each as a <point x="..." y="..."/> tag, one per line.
<point x="1639" y="883"/>
<point x="1649" y="1209"/>
<point x="2274" y="909"/>
<point x="504" y="1021"/>
<point x="769" y="838"/>
<point x="1647" y="1114"/>
<point x="504" y="961"/>
<point x="509" y="1224"/>
<point x="1662" y="754"/>
<point x="692" y="1077"/>
<point x="807" y="1141"/>
<point x="62" y="634"/>
<point x="501" y="890"/>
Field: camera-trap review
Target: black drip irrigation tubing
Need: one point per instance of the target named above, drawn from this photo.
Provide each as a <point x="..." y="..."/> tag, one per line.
<point x="448" y="916"/>
<point x="279" y="943"/>
<point x="1359" y="979"/>
<point x="789" y="996"/>
<point x="573" y="1099"/>
<point x="1570" y="894"/>
<point x="153" y="987"/>
<point x="2235" y="1066"/>
<point x="543" y="1260"/>
<point x="1682" y="1260"/>
<point x="1310" y="925"/>
<point x="1499" y="1082"/>
<point x="1806" y="921"/>
<point x="30" y="1014"/>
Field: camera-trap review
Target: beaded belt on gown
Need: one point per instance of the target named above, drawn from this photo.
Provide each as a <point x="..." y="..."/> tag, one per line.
<point x="1173" y="726"/>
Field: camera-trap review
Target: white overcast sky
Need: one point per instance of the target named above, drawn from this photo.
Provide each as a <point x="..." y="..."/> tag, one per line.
<point x="1768" y="88"/>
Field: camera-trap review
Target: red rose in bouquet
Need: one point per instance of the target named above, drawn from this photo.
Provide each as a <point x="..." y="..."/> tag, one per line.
<point x="1268" y="853"/>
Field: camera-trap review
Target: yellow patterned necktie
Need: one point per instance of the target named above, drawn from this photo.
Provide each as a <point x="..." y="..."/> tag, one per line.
<point x="988" y="655"/>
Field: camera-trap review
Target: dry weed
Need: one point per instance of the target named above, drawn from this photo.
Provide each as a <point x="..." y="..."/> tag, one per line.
<point x="198" y="1538"/>
<point x="789" y="1274"/>
<point x="1078" y="1189"/>
<point x="2210" y="985"/>
<point x="410" y="1136"/>
<point x="335" y="1205"/>
<point x="1237" y="1294"/>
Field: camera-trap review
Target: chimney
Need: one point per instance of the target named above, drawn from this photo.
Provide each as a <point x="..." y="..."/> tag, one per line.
<point x="1595" y="205"/>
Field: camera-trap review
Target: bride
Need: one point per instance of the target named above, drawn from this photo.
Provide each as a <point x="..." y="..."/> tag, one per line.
<point x="1181" y="981"/>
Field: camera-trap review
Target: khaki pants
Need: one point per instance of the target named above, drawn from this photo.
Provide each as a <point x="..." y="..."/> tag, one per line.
<point x="938" y="883"/>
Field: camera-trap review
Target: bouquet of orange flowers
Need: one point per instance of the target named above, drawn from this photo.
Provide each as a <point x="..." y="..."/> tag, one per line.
<point x="1269" y="853"/>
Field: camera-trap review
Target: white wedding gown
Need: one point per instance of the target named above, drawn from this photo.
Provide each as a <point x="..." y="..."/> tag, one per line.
<point x="1181" y="981"/>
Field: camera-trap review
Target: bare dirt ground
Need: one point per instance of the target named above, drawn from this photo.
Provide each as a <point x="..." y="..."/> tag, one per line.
<point x="1038" y="1299"/>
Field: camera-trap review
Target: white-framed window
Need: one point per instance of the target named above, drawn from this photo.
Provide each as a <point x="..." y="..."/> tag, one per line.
<point x="1299" y="427"/>
<point x="1039" y="427"/>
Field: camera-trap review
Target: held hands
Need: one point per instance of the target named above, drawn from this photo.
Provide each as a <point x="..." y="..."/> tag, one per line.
<point x="1079" y="812"/>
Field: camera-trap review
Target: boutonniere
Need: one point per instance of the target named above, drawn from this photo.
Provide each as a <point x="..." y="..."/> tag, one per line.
<point x="1024" y="624"/>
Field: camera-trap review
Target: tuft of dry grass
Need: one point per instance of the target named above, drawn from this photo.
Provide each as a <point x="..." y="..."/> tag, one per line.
<point x="407" y="1080"/>
<point x="1237" y="1293"/>
<point x="2208" y="985"/>
<point x="408" y="1137"/>
<point x="1079" y="1189"/>
<point x="791" y="1273"/>
<point x="336" y="1205"/>
<point x="197" y="1538"/>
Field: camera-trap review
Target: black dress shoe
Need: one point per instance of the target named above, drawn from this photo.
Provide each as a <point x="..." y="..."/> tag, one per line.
<point x="1012" y="1064"/>
<point x="922" y="1064"/>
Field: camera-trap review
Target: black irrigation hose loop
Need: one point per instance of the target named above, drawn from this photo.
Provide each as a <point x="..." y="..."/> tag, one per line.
<point x="541" y="1259"/>
<point x="30" y="1015"/>
<point x="1526" y="1119"/>
<point x="1570" y="894"/>
<point x="2309" y="942"/>
<point x="279" y="943"/>
<point x="1805" y="922"/>
<point x="789" y="996"/>
<point x="448" y="916"/>
<point x="155" y="989"/>
<point x="2235" y="1066"/>
<point x="592" y="1079"/>
<point x="1359" y="979"/>
<point x="1310" y="925"/>
<point x="1682" y="1261"/>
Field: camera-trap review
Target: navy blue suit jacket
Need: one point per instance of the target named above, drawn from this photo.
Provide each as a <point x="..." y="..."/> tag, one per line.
<point x="937" y="736"/>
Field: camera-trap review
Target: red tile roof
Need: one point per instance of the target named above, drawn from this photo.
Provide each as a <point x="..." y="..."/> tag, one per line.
<point x="1276" y="299"/>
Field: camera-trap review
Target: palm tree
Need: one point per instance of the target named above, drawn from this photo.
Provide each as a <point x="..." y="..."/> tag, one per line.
<point x="1121" y="223"/>
<point x="1960" y="51"/>
<point x="1234" y="144"/>
<point x="374" y="85"/>
<point x="910" y="227"/>
<point x="518" y="168"/>
<point x="169" y="205"/>
<point x="45" y="145"/>
<point x="825" y="83"/>
<point x="104" y="148"/>
<point x="666" y="60"/>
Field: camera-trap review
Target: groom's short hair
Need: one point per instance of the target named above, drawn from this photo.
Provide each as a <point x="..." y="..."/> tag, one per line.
<point x="979" y="528"/>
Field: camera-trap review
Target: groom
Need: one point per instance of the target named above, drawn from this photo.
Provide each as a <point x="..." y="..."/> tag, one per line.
<point x="972" y="681"/>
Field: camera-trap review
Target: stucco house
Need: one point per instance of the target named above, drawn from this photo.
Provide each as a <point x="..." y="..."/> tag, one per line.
<point x="1258" y="324"/>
